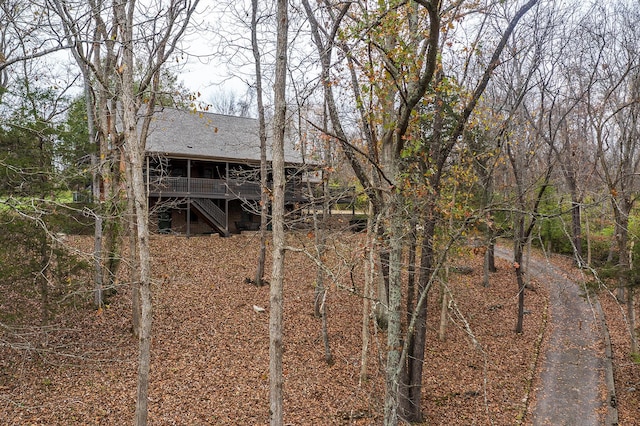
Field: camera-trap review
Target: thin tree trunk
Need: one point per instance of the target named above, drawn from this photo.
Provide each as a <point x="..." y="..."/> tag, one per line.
<point x="320" y="237"/>
<point x="95" y="194"/>
<point x="134" y="259"/>
<point x="576" y="229"/>
<point x="43" y="277"/>
<point x="328" y="357"/>
<point x="319" y="229"/>
<point x="319" y="290"/>
<point x="136" y="314"/>
<point x="492" y="257"/>
<point x="97" y="256"/>
<point x="631" y="314"/>
<point x="517" y="258"/>
<point x="621" y="236"/>
<point x="95" y="164"/>
<point x="411" y="269"/>
<point x="276" y="298"/>
<point x="485" y="269"/>
<point x="588" y="236"/>
<point x="141" y="216"/>
<point x="369" y="272"/>
<point x="143" y="260"/>
<point x="264" y="195"/>
<point x="320" y="293"/>
<point x="111" y="212"/>
<point x="527" y="262"/>
<point x="277" y="277"/>
<point x="442" y="333"/>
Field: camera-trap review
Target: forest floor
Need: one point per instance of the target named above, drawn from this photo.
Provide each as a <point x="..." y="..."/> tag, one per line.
<point x="210" y="346"/>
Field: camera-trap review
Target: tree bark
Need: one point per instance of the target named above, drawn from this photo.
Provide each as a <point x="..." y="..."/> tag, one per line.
<point x="134" y="256"/>
<point x="444" y="301"/>
<point x="134" y="155"/>
<point x="277" y="277"/>
<point x="394" y="326"/>
<point x="416" y="339"/>
<point x="97" y="255"/>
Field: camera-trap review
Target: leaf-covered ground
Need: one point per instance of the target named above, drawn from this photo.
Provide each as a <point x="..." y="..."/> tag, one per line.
<point x="626" y="369"/>
<point x="210" y="346"/>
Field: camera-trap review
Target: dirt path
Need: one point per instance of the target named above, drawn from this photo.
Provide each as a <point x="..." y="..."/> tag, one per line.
<point x="570" y="388"/>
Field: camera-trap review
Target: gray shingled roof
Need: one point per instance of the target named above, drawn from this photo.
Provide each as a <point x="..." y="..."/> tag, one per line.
<point x="189" y="134"/>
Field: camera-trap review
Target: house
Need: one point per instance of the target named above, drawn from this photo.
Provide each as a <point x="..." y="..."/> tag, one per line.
<point x="202" y="173"/>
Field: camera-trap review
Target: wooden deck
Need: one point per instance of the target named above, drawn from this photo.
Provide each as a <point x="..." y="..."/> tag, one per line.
<point x="216" y="188"/>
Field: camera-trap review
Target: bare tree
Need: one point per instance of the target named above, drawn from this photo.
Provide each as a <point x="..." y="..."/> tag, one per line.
<point x="262" y="129"/>
<point x="279" y="181"/>
<point x="118" y="40"/>
<point x="227" y="102"/>
<point x="614" y="114"/>
<point x="387" y="36"/>
<point x="25" y="35"/>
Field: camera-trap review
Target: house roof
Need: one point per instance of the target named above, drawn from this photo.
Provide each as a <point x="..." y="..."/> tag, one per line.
<point x="190" y="134"/>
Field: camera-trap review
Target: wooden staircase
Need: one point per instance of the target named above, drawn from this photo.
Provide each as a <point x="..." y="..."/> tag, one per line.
<point x="214" y="214"/>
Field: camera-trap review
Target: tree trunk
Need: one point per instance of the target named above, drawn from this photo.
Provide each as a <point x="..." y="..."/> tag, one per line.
<point x="576" y="230"/>
<point x="485" y="268"/>
<point x="622" y="239"/>
<point x="134" y="256"/>
<point x="277" y="277"/>
<point x="588" y="236"/>
<point x="320" y="307"/>
<point x="328" y="357"/>
<point x="491" y="256"/>
<point x="631" y="311"/>
<point x="43" y="276"/>
<point x="444" y="301"/>
<point x="569" y="171"/>
<point x="95" y="190"/>
<point x="394" y="327"/>
<point x="382" y="282"/>
<point x="631" y="314"/>
<point x="410" y="399"/>
<point x="97" y="257"/>
<point x="527" y="262"/>
<point x="264" y="194"/>
<point x="411" y="269"/>
<point x="141" y="216"/>
<point x="367" y="292"/>
<point x="320" y="292"/>
<point x="143" y="259"/>
<point x="134" y="150"/>
<point x="517" y="264"/>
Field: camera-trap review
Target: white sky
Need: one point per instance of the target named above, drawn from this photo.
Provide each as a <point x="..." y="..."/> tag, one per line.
<point x="209" y="78"/>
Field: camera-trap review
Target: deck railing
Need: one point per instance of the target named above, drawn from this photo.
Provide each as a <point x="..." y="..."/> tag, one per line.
<point x="222" y="188"/>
